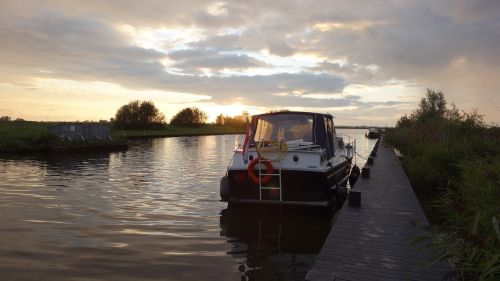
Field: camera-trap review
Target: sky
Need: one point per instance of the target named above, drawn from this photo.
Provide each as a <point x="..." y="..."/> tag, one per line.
<point x="365" y="62"/>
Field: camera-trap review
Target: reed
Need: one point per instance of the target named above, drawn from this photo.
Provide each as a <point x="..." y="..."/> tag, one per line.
<point x="453" y="162"/>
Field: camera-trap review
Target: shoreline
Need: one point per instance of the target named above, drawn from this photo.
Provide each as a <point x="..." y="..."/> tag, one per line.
<point x="31" y="137"/>
<point x="28" y="137"/>
<point x="180" y="135"/>
<point x="173" y="131"/>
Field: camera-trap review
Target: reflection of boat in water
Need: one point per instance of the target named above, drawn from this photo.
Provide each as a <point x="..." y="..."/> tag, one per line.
<point x="373" y="133"/>
<point x="306" y="162"/>
<point x="274" y="244"/>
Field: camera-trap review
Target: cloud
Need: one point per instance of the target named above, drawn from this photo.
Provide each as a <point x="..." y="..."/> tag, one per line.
<point x="192" y="60"/>
<point x="448" y="45"/>
<point x="52" y="45"/>
<point x="272" y="90"/>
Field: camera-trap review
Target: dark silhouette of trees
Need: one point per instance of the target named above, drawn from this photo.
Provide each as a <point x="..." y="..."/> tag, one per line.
<point x="240" y="121"/>
<point x="432" y="110"/>
<point x="5" y="119"/>
<point x="433" y="105"/>
<point x="139" y="115"/>
<point x="189" y="116"/>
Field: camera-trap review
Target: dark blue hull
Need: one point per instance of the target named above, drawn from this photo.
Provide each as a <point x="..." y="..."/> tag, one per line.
<point x="297" y="187"/>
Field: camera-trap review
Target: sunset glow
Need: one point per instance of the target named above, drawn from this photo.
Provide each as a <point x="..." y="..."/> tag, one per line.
<point x="79" y="60"/>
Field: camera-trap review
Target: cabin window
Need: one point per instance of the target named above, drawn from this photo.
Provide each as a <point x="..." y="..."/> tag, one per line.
<point x="328" y="122"/>
<point x="329" y="131"/>
<point x="288" y="127"/>
<point x="331" y="128"/>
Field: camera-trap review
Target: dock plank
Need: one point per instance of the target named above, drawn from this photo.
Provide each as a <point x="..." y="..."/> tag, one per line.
<point x="375" y="241"/>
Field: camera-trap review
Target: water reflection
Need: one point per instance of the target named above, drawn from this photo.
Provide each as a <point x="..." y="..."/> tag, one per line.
<point x="275" y="243"/>
<point x="152" y="212"/>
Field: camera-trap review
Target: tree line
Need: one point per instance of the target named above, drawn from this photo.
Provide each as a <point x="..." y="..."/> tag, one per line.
<point x="144" y="115"/>
<point x="240" y="121"/>
<point x="8" y="119"/>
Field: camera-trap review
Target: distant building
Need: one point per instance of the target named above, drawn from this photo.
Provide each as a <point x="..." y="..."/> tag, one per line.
<point x="80" y="131"/>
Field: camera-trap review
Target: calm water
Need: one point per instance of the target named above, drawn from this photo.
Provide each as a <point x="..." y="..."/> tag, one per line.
<point x="152" y="212"/>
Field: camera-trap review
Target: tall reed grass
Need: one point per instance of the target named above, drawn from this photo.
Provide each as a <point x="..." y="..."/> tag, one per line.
<point x="453" y="161"/>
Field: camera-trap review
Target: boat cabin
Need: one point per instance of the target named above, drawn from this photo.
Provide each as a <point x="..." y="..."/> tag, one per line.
<point x="305" y="162"/>
<point x="298" y="129"/>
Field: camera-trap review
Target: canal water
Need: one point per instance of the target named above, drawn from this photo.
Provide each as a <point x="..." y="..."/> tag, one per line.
<point x="150" y="213"/>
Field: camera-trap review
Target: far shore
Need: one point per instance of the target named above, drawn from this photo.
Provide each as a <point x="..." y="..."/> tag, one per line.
<point x="34" y="137"/>
<point x="174" y="131"/>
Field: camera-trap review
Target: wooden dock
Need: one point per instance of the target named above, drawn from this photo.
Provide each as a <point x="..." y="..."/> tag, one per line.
<point x="374" y="241"/>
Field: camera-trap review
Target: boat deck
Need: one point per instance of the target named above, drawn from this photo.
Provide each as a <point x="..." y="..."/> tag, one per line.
<point x="374" y="241"/>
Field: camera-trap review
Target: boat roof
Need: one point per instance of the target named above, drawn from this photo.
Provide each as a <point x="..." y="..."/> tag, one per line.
<point x="293" y="112"/>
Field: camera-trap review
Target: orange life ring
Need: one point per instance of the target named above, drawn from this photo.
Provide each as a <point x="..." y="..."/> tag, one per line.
<point x="255" y="178"/>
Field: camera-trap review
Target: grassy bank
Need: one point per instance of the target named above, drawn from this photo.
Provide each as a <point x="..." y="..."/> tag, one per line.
<point x="29" y="137"/>
<point x="23" y="136"/>
<point x="453" y="162"/>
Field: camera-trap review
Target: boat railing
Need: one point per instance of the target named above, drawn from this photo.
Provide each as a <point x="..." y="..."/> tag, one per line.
<point x="307" y="147"/>
<point x="349" y="146"/>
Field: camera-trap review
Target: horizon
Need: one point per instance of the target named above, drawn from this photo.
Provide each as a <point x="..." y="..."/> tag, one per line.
<point x="366" y="63"/>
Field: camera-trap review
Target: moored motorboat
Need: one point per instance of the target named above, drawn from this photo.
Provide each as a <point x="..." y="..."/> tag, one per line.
<point x="292" y="158"/>
<point x="373" y="133"/>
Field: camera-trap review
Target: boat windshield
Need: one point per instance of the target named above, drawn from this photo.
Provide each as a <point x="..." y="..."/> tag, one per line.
<point x="288" y="127"/>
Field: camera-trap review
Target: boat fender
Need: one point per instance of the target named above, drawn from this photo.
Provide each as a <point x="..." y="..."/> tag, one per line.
<point x="255" y="178"/>
<point x="341" y="195"/>
<point x="224" y="188"/>
<point x="354" y="175"/>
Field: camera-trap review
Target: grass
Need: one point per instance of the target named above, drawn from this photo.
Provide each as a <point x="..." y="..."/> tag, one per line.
<point x="22" y="130"/>
<point x="22" y="136"/>
<point x="29" y="137"/>
<point x="453" y="162"/>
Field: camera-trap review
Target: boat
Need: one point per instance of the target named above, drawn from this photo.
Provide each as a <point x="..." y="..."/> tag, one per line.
<point x="373" y="133"/>
<point x="290" y="158"/>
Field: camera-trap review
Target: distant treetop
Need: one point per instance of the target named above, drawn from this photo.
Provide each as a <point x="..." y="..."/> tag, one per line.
<point x="189" y="116"/>
<point x="5" y="119"/>
<point x="139" y="115"/>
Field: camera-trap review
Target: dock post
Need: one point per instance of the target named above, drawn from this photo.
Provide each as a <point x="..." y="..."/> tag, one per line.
<point x="365" y="173"/>
<point x="354" y="198"/>
<point x="370" y="160"/>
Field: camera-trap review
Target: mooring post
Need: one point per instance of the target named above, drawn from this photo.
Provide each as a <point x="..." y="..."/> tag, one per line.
<point x="365" y="173"/>
<point x="370" y="160"/>
<point x="354" y="198"/>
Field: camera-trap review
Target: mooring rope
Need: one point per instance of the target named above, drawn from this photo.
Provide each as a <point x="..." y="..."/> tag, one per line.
<point x="361" y="156"/>
<point x="272" y="150"/>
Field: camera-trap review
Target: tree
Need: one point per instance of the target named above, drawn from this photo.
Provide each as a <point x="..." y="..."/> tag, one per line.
<point x="246" y="116"/>
<point x="5" y="119"/>
<point x="192" y="117"/>
<point x="220" y="120"/>
<point x="432" y="105"/>
<point x="139" y="115"/>
<point x="404" y="121"/>
<point x="433" y="109"/>
<point x="240" y="121"/>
